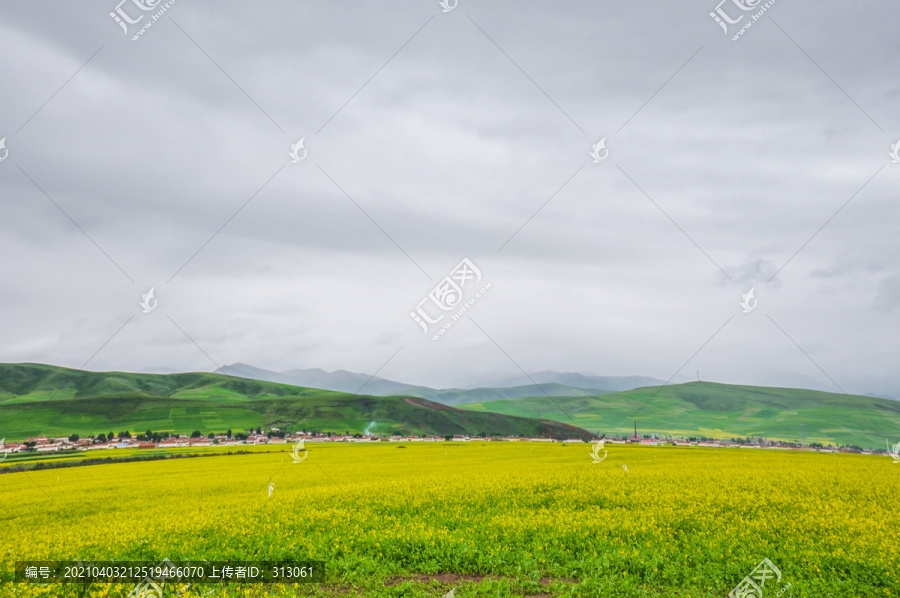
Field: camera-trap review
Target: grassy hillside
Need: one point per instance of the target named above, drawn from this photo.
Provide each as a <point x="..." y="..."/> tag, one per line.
<point x="721" y="411"/>
<point x="47" y="400"/>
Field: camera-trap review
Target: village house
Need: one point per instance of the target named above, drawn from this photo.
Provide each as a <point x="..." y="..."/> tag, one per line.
<point x="101" y="445"/>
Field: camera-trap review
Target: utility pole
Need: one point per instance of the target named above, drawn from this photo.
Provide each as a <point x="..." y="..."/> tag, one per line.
<point x="635" y="429"/>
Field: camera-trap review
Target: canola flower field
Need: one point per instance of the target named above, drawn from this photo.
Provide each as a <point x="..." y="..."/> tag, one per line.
<point x="481" y="519"/>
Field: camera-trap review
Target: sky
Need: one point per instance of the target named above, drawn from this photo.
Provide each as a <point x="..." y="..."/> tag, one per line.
<point x="434" y="134"/>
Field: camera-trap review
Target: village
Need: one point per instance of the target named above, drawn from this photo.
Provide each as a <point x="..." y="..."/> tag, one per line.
<point x="149" y="440"/>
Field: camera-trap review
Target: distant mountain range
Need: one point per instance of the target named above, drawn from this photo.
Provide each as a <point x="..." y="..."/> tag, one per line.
<point x="541" y="384"/>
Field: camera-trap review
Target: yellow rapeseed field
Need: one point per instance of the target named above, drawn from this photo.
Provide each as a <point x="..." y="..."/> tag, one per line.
<point x="485" y="519"/>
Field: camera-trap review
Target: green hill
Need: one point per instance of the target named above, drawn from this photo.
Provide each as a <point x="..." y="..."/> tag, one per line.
<point x="38" y="400"/>
<point x="720" y="411"/>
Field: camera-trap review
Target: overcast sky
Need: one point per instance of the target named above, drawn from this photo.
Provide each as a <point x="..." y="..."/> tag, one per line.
<point x="435" y="136"/>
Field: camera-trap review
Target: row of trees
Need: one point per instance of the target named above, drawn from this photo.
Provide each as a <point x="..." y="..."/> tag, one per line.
<point x="102" y="437"/>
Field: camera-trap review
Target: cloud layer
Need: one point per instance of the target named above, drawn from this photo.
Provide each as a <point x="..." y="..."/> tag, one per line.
<point x="431" y="137"/>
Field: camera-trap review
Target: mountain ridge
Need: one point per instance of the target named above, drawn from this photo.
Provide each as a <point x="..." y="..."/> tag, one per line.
<point x="546" y="383"/>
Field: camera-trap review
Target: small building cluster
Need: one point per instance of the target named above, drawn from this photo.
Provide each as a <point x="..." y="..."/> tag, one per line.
<point x="44" y="444"/>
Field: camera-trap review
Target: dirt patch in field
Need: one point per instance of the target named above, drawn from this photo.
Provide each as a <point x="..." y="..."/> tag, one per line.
<point x="442" y="578"/>
<point x="454" y="579"/>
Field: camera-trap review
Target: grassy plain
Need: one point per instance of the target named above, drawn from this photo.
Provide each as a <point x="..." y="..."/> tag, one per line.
<point x="488" y="519"/>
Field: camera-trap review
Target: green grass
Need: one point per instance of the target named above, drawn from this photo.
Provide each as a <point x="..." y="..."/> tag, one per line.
<point x="720" y="411"/>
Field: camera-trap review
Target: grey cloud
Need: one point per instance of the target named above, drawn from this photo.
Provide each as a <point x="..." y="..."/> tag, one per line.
<point x="750" y="149"/>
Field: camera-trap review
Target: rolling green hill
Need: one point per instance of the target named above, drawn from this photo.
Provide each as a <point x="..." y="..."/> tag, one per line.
<point x="720" y="411"/>
<point x="40" y="400"/>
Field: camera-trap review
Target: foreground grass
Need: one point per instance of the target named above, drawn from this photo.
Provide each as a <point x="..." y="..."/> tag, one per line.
<point x="490" y="520"/>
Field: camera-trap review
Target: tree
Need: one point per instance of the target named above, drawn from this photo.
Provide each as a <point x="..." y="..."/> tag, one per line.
<point x="228" y="433"/>
<point x="448" y="437"/>
<point x="211" y="436"/>
<point x="124" y="434"/>
<point x="74" y="438"/>
<point x="148" y="433"/>
<point x="196" y="434"/>
<point x="101" y="438"/>
<point x="110" y="436"/>
<point x="258" y="430"/>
